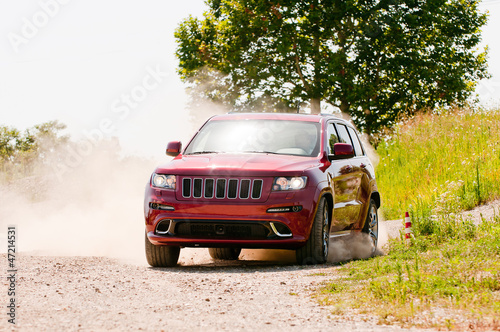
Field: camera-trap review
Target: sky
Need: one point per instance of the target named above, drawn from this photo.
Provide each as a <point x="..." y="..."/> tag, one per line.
<point x="108" y="69"/>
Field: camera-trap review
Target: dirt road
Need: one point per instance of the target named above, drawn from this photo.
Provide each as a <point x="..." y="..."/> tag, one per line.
<point x="96" y="293"/>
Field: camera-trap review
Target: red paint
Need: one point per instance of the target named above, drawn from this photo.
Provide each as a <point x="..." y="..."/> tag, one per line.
<point x="174" y="148"/>
<point x="408" y="230"/>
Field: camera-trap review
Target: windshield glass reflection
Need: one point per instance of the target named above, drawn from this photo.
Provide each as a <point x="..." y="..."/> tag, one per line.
<point x="257" y="136"/>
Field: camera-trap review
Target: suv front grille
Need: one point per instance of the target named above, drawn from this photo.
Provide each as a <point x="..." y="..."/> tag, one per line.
<point x="221" y="188"/>
<point x="221" y="229"/>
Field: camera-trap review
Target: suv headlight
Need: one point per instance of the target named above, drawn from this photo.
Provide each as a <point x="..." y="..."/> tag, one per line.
<point x="163" y="181"/>
<point x="289" y="183"/>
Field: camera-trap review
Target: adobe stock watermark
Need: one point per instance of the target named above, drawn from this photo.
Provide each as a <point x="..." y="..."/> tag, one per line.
<point x="31" y="26"/>
<point x="488" y="90"/>
<point x="121" y="108"/>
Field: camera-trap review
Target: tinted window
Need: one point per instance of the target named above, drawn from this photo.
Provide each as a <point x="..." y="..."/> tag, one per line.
<point x="331" y="137"/>
<point x="358" y="150"/>
<point x="343" y="134"/>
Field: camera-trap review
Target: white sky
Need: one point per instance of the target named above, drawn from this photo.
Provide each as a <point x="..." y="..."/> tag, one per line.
<point x="77" y="65"/>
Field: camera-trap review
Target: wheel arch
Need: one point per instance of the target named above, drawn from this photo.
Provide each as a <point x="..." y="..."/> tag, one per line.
<point x="376" y="197"/>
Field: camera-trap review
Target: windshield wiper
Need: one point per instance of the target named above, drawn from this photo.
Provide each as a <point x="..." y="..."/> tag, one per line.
<point x="203" y="152"/>
<point x="207" y="152"/>
<point x="270" y="152"/>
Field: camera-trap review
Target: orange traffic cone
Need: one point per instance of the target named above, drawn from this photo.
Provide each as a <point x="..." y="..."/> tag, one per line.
<point x="408" y="232"/>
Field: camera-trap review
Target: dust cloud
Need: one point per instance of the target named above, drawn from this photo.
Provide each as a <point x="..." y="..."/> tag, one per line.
<point x="355" y="246"/>
<point x="274" y="255"/>
<point x="91" y="204"/>
<point x="369" y="149"/>
<point x="86" y="199"/>
<point x="200" y="256"/>
<point x="383" y="233"/>
<point x="199" y="115"/>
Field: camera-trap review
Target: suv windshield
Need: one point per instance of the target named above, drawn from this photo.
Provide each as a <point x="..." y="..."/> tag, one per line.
<point x="298" y="138"/>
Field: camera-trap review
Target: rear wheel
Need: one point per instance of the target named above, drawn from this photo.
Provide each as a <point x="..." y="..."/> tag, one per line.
<point x="371" y="225"/>
<point x="224" y="253"/>
<point x="161" y="256"/>
<point x="316" y="249"/>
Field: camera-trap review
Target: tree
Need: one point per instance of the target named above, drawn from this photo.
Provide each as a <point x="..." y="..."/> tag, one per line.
<point x="373" y="59"/>
<point x="21" y="152"/>
<point x="12" y="142"/>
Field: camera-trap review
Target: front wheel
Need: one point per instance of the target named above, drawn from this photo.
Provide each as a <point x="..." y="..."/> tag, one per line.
<point x="161" y="256"/>
<point x="371" y="225"/>
<point x="224" y="253"/>
<point x="316" y="249"/>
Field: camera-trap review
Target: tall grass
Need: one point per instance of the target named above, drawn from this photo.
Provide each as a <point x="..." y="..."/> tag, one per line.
<point x="440" y="163"/>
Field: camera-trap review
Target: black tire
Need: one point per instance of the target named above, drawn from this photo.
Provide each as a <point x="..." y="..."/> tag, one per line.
<point x="161" y="256"/>
<point x="316" y="249"/>
<point x="371" y="225"/>
<point x="229" y="254"/>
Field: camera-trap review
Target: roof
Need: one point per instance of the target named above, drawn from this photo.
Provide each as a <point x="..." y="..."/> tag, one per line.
<point x="275" y="116"/>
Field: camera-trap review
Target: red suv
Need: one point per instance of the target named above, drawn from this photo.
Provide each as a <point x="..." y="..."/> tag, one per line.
<point x="262" y="180"/>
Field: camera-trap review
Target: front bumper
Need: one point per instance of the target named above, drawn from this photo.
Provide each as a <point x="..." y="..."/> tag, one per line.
<point x="229" y="224"/>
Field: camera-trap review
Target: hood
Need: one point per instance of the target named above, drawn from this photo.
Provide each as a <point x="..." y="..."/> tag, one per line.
<point x="244" y="164"/>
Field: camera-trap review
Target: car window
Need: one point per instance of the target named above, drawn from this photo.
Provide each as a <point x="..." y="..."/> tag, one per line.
<point x="300" y="138"/>
<point x="343" y="134"/>
<point x="332" y="137"/>
<point x="358" y="150"/>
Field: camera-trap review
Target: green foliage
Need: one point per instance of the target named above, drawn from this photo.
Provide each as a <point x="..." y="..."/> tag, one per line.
<point x="371" y="59"/>
<point x="462" y="273"/>
<point x="13" y="142"/>
<point x="21" y="151"/>
<point x="438" y="164"/>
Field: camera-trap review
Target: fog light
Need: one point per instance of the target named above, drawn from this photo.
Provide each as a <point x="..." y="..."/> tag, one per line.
<point x="295" y="208"/>
<point x="158" y="206"/>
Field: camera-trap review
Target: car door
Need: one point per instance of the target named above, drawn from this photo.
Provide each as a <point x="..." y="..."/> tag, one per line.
<point x="363" y="170"/>
<point x="343" y="181"/>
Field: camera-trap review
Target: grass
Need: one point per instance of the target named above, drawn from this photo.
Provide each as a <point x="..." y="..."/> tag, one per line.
<point x="433" y="166"/>
<point x="427" y="284"/>
<point x="453" y="156"/>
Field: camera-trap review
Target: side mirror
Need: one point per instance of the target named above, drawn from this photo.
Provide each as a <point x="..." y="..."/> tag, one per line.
<point x="174" y="148"/>
<point x="342" y="151"/>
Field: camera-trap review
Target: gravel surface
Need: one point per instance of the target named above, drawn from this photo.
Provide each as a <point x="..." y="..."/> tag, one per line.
<point x="265" y="290"/>
<point x="486" y="212"/>
<point x="98" y="293"/>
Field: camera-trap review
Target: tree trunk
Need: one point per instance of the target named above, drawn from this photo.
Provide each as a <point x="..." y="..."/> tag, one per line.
<point x="315" y="105"/>
<point x="344" y="105"/>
